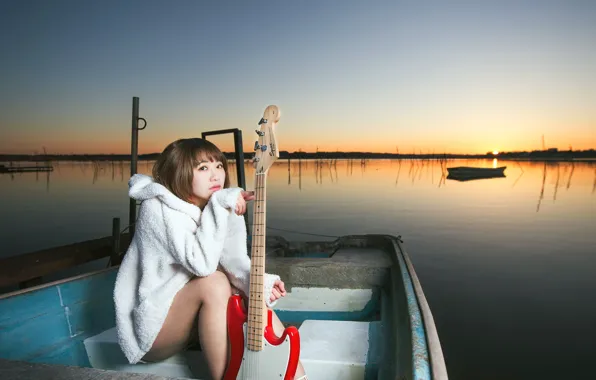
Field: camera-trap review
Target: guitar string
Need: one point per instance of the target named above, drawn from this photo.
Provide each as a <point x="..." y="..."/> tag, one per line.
<point x="253" y="365"/>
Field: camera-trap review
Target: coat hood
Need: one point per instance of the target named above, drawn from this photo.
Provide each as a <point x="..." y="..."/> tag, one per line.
<point x="143" y="187"/>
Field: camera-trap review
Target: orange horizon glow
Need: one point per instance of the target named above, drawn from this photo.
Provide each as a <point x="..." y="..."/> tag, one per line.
<point x="148" y="147"/>
<point x="292" y="136"/>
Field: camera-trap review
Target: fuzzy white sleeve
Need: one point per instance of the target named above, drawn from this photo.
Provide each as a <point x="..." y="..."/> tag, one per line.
<point x="236" y="263"/>
<point x="200" y="251"/>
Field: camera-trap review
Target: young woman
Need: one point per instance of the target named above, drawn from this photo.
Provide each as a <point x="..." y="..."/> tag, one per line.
<point x="187" y="257"/>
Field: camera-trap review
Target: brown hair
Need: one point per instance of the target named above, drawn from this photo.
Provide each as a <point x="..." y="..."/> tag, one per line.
<point x="174" y="167"/>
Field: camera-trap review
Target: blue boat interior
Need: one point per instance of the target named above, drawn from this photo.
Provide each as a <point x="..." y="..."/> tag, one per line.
<point x="55" y="323"/>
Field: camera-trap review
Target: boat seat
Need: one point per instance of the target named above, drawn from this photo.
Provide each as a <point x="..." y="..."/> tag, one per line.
<point x="104" y="352"/>
<point x="339" y="349"/>
<point x="328" y="350"/>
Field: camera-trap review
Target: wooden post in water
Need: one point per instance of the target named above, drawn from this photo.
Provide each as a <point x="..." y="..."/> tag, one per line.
<point x="115" y="256"/>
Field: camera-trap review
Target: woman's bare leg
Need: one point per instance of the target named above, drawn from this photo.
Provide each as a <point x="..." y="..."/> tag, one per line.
<point x="279" y="328"/>
<point x="213" y="325"/>
<point x="208" y="297"/>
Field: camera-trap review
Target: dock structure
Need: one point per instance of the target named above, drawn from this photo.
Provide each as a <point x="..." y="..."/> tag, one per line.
<point x="25" y="169"/>
<point x="28" y="269"/>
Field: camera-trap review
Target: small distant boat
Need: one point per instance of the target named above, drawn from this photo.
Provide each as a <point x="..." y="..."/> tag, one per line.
<point x="467" y="173"/>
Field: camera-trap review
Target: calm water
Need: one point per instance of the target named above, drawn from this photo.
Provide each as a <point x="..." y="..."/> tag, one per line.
<point x="508" y="264"/>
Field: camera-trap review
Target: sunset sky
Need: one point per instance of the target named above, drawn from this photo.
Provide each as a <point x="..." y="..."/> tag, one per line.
<point x="347" y="75"/>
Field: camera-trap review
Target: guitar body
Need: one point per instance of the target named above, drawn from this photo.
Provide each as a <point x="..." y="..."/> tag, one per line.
<point x="277" y="360"/>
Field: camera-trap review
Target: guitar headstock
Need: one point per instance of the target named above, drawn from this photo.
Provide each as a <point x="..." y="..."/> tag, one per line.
<point x="266" y="149"/>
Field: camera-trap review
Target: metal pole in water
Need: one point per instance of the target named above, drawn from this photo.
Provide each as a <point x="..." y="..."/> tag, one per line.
<point x="239" y="153"/>
<point x="134" y="152"/>
<point x="132" y="210"/>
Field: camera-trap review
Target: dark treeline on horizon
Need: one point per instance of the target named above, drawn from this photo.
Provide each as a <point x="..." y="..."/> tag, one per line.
<point x="551" y="154"/>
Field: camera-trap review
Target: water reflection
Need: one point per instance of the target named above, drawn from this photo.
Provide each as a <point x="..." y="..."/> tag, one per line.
<point x="547" y="179"/>
<point x="521" y="173"/>
<point x="561" y="179"/>
<point x="330" y="170"/>
<point x="518" y="246"/>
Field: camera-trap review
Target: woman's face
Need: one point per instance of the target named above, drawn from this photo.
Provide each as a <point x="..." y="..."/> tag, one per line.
<point x="208" y="177"/>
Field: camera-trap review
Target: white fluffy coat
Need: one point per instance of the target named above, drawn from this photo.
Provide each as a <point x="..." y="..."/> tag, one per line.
<point x="173" y="242"/>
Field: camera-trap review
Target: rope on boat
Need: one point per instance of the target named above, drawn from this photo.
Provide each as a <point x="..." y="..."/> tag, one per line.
<point x="127" y="227"/>
<point x="302" y="233"/>
<point x="270" y="228"/>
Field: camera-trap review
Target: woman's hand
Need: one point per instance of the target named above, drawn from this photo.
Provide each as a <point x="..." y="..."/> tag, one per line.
<point x="278" y="291"/>
<point x="241" y="203"/>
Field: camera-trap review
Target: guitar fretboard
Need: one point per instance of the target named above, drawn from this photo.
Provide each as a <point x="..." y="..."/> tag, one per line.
<point x="256" y="303"/>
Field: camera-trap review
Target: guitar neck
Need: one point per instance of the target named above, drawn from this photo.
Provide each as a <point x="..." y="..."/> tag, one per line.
<point x="256" y="303"/>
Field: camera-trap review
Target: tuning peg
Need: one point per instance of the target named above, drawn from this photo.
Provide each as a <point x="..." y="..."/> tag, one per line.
<point x="260" y="133"/>
<point x="257" y="146"/>
<point x="263" y="148"/>
<point x="262" y="121"/>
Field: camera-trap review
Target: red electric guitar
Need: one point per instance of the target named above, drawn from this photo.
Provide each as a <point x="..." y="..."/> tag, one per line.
<point x="256" y="353"/>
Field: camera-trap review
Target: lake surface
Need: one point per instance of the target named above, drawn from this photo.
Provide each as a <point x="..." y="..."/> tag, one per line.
<point x="508" y="264"/>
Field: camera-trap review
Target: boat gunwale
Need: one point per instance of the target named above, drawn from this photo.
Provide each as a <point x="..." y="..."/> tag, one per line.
<point x="438" y="370"/>
<point x="475" y="169"/>
<point x="435" y="352"/>
<point x="56" y="282"/>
